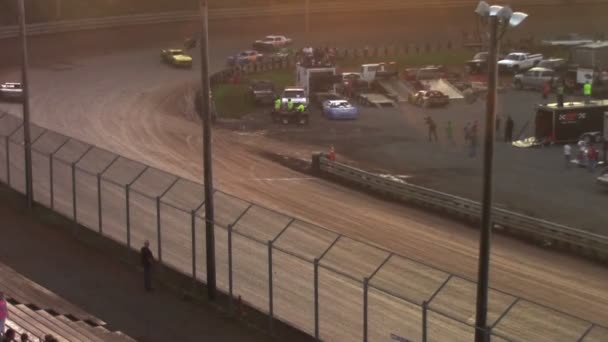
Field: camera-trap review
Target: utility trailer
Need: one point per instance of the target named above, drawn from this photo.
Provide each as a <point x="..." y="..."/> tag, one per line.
<point x="316" y="79"/>
<point x="568" y="123"/>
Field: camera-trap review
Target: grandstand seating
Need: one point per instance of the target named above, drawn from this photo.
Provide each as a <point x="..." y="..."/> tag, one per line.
<point x="38" y="312"/>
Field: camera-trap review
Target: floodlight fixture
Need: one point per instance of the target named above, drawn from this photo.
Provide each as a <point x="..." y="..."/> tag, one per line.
<point x="483" y="9"/>
<point x="517" y="18"/>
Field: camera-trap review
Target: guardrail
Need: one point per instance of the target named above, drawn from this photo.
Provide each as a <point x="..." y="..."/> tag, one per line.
<point x="248" y="12"/>
<point x="586" y="243"/>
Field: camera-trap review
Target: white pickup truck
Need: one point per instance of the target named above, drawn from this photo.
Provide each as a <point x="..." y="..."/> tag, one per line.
<point x="519" y="61"/>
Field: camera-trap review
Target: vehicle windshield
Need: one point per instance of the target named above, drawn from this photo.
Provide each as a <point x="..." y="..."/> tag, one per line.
<point x="263" y="86"/>
<point x="177" y="52"/>
<point x="293" y="94"/>
<point x="340" y="104"/>
<point x="545" y="64"/>
<point x="481" y="56"/>
<point x="513" y="57"/>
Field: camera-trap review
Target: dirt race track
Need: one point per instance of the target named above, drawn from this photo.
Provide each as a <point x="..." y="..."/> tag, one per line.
<point x="114" y="93"/>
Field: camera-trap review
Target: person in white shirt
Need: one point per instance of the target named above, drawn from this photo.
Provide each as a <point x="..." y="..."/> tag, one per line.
<point x="567" y="154"/>
<point x="582" y="152"/>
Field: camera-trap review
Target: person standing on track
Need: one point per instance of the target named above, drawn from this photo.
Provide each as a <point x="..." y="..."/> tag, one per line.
<point x="449" y="131"/>
<point x="147" y="260"/>
<point x="587" y="91"/>
<point x="509" y="129"/>
<point x="290" y="105"/>
<point x="592" y="158"/>
<point x="560" y="93"/>
<point x="473" y="140"/>
<point x="546" y="90"/>
<point x="432" y="128"/>
<point x="567" y="155"/>
<point x="277" y="105"/>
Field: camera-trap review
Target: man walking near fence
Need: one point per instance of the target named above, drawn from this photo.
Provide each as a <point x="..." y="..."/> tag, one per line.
<point x="432" y="129"/>
<point x="147" y="260"/>
<point x="509" y="125"/>
<point x="449" y="131"/>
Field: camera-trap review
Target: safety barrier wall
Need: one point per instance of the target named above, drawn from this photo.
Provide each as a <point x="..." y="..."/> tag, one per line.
<point x="579" y="241"/>
<point x="328" y="285"/>
<point x="250" y="12"/>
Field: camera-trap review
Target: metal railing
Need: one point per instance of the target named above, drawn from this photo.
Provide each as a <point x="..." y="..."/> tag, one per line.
<point x="580" y="241"/>
<point x="324" y="283"/>
<point x="250" y="12"/>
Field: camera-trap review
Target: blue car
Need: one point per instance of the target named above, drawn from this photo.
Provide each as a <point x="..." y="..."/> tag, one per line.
<point x="340" y="109"/>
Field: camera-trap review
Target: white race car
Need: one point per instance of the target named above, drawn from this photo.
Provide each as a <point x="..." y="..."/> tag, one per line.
<point x="271" y="42"/>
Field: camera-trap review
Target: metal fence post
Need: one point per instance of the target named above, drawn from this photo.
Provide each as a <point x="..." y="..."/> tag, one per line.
<point x="193" y="225"/>
<point x="128" y="211"/>
<point x="270" y="285"/>
<point x="8" y="161"/>
<point x="365" y="288"/>
<point x="158" y="234"/>
<point x="74" y="208"/>
<point x="51" y="185"/>
<point x="230" y="293"/>
<point x="424" y="311"/>
<point x="316" y="299"/>
<point x="99" y="206"/>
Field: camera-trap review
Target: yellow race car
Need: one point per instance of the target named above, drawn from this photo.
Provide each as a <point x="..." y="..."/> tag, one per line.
<point x="176" y="57"/>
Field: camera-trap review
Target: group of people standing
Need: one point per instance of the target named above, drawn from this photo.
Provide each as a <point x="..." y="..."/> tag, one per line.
<point x="587" y="155"/>
<point x="289" y="106"/>
<point x="470" y="132"/>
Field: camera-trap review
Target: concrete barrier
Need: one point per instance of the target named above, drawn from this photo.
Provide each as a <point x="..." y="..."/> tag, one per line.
<point x="549" y="233"/>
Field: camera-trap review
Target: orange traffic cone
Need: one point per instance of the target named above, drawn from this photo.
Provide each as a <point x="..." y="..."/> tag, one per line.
<point x="332" y="153"/>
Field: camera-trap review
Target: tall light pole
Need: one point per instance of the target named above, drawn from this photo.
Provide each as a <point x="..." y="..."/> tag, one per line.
<point x="207" y="156"/>
<point x="498" y="17"/>
<point x="307" y="15"/>
<point x="29" y="192"/>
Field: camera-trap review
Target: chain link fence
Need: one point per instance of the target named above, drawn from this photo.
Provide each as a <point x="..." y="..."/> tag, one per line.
<point x="328" y="285"/>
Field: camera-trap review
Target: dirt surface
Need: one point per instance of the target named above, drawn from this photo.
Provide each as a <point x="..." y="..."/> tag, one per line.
<point x="111" y="101"/>
<point x="106" y="286"/>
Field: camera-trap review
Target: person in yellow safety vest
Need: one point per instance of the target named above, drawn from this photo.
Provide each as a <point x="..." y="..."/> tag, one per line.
<point x="587" y="91"/>
<point x="301" y="108"/>
<point x="289" y="105"/>
<point x="277" y="105"/>
<point x="560" y="94"/>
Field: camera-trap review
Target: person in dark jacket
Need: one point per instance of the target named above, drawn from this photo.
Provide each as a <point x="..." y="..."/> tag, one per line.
<point x="9" y="335"/>
<point x="509" y="129"/>
<point x="147" y="260"/>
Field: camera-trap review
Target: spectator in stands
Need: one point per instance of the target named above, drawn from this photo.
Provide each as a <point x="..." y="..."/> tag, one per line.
<point x="25" y="337"/>
<point x="3" y="312"/>
<point x="147" y="259"/>
<point x="49" y="338"/>
<point x="9" y="335"/>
